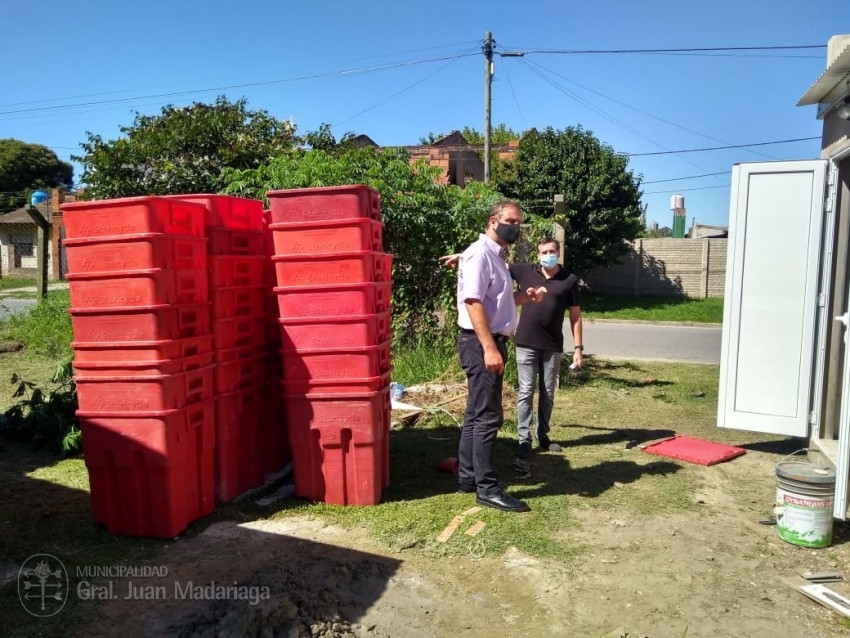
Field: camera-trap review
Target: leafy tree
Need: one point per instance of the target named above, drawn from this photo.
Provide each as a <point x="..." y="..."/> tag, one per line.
<point x="26" y="167"/>
<point x="423" y="220"/>
<point x="602" y="197"/>
<point x="664" y="231"/>
<point x="324" y="140"/>
<point x="182" y="150"/>
<point x="499" y="135"/>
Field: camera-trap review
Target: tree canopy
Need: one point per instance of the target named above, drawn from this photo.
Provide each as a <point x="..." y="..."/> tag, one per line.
<point x="423" y="220"/>
<point x="499" y="135"/>
<point x="601" y="195"/>
<point x="26" y="167"/>
<point x="182" y="150"/>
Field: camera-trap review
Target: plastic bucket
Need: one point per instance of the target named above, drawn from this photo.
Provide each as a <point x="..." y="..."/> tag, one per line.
<point x="805" y="493"/>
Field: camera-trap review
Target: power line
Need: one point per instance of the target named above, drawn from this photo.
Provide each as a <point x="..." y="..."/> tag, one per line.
<point x="718" y="148"/>
<point x="678" y="50"/>
<point x="343" y="73"/>
<point x="676" y="179"/>
<point x="685" y="190"/>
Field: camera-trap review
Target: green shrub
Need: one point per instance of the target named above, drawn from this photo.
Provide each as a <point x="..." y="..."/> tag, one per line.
<point x="46" y="329"/>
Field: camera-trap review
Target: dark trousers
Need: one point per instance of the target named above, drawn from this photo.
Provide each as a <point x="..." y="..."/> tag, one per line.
<point x="483" y="416"/>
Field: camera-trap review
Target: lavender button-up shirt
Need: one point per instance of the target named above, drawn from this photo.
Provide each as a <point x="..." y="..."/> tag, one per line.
<point x="483" y="275"/>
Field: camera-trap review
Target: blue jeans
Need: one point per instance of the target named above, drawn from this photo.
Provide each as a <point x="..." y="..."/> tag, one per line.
<point x="532" y="365"/>
<point x="483" y="417"/>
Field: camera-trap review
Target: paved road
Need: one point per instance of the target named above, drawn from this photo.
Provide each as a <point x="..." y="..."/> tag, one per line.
<point x="650" y="341"/>
<point x="14" y="306"/>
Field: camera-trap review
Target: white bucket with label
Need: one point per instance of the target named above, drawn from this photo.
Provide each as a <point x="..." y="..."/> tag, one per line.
<point x="805" y="493"/>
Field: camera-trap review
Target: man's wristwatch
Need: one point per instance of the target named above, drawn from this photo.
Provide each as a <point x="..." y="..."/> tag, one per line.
<point x="578" y="347"/>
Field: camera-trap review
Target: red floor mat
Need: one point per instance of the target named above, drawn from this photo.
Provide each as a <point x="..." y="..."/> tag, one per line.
<point x="699" y="451"/>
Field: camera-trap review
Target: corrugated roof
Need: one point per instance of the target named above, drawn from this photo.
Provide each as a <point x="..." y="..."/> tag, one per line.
<point x="834" y="74"/>
<point x="21" y="216"/>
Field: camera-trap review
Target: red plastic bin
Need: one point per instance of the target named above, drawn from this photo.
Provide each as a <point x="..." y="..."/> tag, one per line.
<point x="239" y="332"/>
<point x="335" y="386"/>
<point x="339" y="300"/>
<point x="342" y="268"/>
<point x="135" y="252"/>
<point x="339" y="444"/>
<point x="145" y="393"/>
<point x="324" y="203"/>
<point x="131" y="216"/>
<point x="227" y="211"/>
<point x="227" y="271"/>
<point x="238" y="301"/>
<point x="335" y="332"/>
<point x="131" y="368"/>
<point x="151" y="474"/>
<point x="121" y="289"/>
<point x="331" y="237"/>
<point x="225" y="241"/>
<point x="140" y="323"/>
<point x="237" y="448"/>
<point x="348" y="363"/>
<point x="141" y="352"/>
<point x="243" y="372"/>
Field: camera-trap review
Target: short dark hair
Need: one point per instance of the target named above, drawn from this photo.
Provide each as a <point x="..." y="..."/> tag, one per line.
<point x="497" y="209"/>
<point x="549" y="240"/>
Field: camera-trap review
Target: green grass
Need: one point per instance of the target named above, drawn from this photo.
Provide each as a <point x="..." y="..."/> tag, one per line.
<point x="594" y="306"/>
<point x="8" y="283"/>
<point x="45" y="329"/>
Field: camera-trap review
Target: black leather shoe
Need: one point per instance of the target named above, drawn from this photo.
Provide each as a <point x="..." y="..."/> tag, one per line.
<point x="501" y="500"/>
<point x="544" y="442"/>
<point x="524" y="450"/>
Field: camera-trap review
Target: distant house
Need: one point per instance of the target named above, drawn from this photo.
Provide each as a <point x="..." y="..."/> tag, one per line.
<point x="705" y="231"/>
<point x="19" y="233"/>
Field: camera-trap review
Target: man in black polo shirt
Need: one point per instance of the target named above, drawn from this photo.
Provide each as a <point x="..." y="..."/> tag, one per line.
<point x="540" y="340"/>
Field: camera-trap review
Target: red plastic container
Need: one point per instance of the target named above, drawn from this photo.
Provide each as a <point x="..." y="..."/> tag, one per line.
<point x="145" y="393"/>
<point x="142" y="323"/>
<point x="343" y="268"/>
<point x="112" y="253"/>
<point x="227" y="211"/>
<point x="331" y="237"/>
<point x="239" y="332"/>
<point x="224" y="241"/>
<point x="244" y="372"/>
<point x="227" y="271"/>
<point x="336" y="386"/>
<point x="324" y="203"/>
<point x="329" y="365"/>
<point x="121" y="289"/>
<point x="239" y="301"/>
<point x="131" y="216"/>
<point x="141" y="352"/>
<point x="237" y="466"/>
<point x="339" y="444"/>
<point x="151" y="474"/>
<point x="133" y="368"/>
<point x="335" y="332"/>
<point x="339" y="300"/>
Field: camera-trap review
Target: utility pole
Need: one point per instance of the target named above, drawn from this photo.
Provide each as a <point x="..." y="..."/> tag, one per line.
<point x="488" y="79"/>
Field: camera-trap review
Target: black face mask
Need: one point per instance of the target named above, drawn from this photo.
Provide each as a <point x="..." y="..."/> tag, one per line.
<point x="508" y="233"/>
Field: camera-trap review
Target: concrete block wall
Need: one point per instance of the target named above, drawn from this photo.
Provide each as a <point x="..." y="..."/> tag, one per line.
<point x="667" y="268"/>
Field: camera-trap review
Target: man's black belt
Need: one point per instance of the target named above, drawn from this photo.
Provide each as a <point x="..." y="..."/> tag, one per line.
<point x="496" y="336"/>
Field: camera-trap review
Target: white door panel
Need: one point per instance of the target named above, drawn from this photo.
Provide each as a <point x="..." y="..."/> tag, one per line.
<point x="775" y="225"/>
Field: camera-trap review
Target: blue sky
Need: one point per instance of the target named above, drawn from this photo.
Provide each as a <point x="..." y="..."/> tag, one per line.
<point x="316" y="62"/>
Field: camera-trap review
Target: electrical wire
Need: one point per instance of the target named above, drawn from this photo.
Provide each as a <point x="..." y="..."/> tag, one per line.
<point x="676" y="179"/>
<point x="675" y="50"/>
<point x="685" y="190"/>
<point x="343" y="73"/>
<point x="719" y="148"/>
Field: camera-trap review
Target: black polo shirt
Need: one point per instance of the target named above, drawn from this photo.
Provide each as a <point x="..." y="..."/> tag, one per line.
<point x="541" y="325"/>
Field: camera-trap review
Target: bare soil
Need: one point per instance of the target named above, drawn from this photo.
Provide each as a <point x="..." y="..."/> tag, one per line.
<point x="716" y="571"/>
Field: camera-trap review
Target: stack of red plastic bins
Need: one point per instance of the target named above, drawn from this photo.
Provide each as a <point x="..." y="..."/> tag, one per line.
<point x="333" y="292"/>
<point x="237" y="266"/>
<point x="143" y="360"/>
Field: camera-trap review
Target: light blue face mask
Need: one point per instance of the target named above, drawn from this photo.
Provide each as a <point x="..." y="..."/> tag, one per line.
<point x="549" y="261"/>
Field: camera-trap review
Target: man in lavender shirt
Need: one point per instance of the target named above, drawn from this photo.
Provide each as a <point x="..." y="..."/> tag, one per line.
<point x="487" y="316"/>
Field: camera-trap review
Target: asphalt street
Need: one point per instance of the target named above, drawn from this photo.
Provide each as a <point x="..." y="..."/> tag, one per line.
<point x="649" y="341"/>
